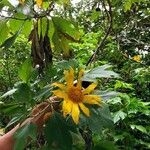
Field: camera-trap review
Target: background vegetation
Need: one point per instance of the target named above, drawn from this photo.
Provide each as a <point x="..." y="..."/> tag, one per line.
<point x="40" y="40"/>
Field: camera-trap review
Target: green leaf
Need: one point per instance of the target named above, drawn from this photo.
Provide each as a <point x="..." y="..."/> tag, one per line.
<point x="139" y="127"/>
<point x="29" y="130"/>
<point x="105" y="95"/>
<point x="95" y="15"/>
<point x="4" y="30"/>
<point x="26" y="70"/>
<point x="127" y="5"/>
<point x="12" y="91"/>
<point x="24" y="93"/>
<point x="105" y="145"/>
<point x="15" y="25"/>
<point x="57" y="132"/>
<point x="121" y="84"/>
<point x="14" y="120"/>
<point x="116" y="100"/>
<point x="119" y="115"/>
<point x="61" y="44"/>
<point x="10" y="109"/>
<point x="67" y="28"/>
<point x="99" y="118"/>
<point x="100" y="72"/>
<point x="10" y="41"/>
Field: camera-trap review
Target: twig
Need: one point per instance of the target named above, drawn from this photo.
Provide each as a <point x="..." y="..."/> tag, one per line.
<point x="109" y="15"/>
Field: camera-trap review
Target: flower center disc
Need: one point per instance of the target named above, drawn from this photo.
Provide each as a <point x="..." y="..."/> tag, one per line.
<point x="75" y="94"/>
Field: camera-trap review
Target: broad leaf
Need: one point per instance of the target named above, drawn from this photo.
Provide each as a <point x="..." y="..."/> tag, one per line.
<point x="100" y="72"/>
<point x="57" y="132"/>
<point x="119" y="115"/>
<point x="29" y="130"/>
<point x="26" y="70"/>
<point x="99" y="118"/>
<point x="139" y="127"/>
<point x="8" y="43"/>
<point x="24" y="93"/>
<point x="4" y="30"/>
<point x="67" y="28"/>
<point x="105" y="95"/>
<point x="15" y="25"/>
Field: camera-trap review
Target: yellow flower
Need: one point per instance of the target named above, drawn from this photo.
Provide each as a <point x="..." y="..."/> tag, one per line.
<point x="136" y="58"/>
<point x="74" y="96"/>
<point x="39" y="2"/>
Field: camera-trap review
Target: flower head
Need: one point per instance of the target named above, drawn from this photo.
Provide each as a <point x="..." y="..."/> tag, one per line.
<point x="137" y="58"/>
<point x="75" y="96"/>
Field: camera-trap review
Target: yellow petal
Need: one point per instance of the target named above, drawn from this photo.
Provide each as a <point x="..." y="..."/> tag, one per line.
<point x="92" y="99"/>
<point x="61" y="86"/>
<point x="79" y="83"/>
<point x="60" y="94"/>
<point x="84" y="109"/>
<point x="90" y="88"/>
<point x="21" y="1"/>
<point x="75" y="113"/>
<point x="67" y="107"/>
<point x="39" y="2"/>
<point x="69" y="77"/>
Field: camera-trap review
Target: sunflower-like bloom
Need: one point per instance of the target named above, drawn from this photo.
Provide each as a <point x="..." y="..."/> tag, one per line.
<point x="74" y="96"/>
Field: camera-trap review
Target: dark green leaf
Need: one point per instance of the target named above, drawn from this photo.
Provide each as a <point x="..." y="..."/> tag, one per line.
<point x="105" y="145"/>
<point x="99" y="118"/>
<point x="57" y="132"/>
<point x="29" y="130"/>
<point x="23" y="94"/>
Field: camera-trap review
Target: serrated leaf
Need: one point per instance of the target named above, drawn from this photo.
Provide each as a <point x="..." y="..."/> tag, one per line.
<point x="99" y="118"/>
<point x="105" y="95"/>
<point x="57" y="131"/>
<point x="23" y="94"/>
<point x="100" y="72"/>
<point x="119" y="115"/>
<point x="25" y="70"/>
<point x="29" y="130"/>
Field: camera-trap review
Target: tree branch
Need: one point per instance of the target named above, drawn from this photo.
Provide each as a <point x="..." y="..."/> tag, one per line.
<point x="101" y="44"/>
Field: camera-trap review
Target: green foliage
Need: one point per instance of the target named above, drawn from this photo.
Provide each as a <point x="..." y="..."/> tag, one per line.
<point x="100" y="72"/>
<point x="123" y="82"/>
<point x="25" y="71"/>
<point x="100" y="119"/>
<point x="29" y="130"/>
<point x="57" y="133"/>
